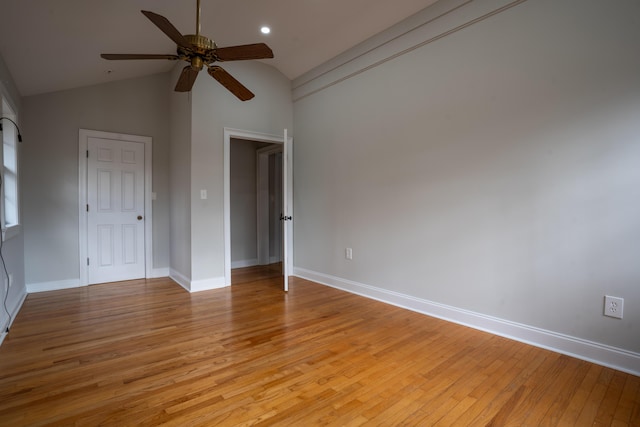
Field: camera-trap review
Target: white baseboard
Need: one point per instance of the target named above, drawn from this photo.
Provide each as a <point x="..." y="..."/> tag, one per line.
<point x="207" y="284"/>
<point x="601" y="354"/>
<point x="244" y="263"/>
<point x="6" y="321"/>
<point x="180" y="279"/>
<point x="75" y="283"/>
<point x="197" y="285"/>
<point x="52" y="286"/>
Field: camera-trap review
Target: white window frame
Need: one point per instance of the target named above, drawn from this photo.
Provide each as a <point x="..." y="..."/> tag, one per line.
<point x="9" y="130"/>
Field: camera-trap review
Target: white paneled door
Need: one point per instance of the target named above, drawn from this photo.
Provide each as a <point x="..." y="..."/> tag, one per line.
<point x="287" y="207"/>
<point x="115" y="210"/>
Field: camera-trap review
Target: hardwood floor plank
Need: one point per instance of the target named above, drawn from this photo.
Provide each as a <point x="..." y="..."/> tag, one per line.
<point x="456" y="412"/>
<point x="501" y="417"/>
<point x="556" y="393"/>
<point x="597" y="395"/>
<point x="499" y="385"/>
<point x="146" y="352"/>
<point x="609" y="404"/>
<point x="624" y="413"/>
<point x="564" y="390"/>
<point x="580" y="396"/>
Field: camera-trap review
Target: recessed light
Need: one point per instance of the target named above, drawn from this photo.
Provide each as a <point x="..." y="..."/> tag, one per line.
<point x="265" y="30"/>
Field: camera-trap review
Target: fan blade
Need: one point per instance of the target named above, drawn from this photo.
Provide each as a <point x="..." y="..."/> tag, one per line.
<point x="187" y="79"/>
<point x="136" y="56"/>
<point x="228" y="81"/>
<point x="168" y="28"/>
<point x="247" y="51"/>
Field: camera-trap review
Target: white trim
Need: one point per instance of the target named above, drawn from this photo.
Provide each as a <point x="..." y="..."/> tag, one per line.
<point x="207" y="284"/>
<point x="83" y="136"/>
<point x="56" y="285"/>
<point x="244" y="263"/>
<point x="12" y="317"/>
<point x="11" y="232"/>
<point x="431" y="24"/>
<point x="601" y="354"/>
<point x="197" y="285"/>
<point x="262" y="206"/>
<point x="262" y="202"/>
<point x="180" y="279"/>
<point x="230" y="133"/>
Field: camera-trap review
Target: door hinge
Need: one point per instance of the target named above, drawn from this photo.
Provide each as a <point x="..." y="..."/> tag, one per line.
<point x="87" y="154"/>
<point x="87" y="207"/>
<point x="87" y="261"/>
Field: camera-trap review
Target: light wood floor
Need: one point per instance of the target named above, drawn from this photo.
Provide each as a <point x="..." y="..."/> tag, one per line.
<point x="148" y="353"/>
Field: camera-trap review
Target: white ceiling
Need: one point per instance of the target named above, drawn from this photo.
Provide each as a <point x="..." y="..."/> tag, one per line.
<point x="51" y="45"/>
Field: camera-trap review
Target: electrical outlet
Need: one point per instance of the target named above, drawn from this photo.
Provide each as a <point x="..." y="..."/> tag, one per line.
<point x="348" y="253"/>
<point x="613" y="306"/>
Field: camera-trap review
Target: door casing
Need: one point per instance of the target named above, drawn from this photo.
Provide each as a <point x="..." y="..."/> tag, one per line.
<point x="230" y="133"/>
<point x="262" y="203"/>
<point x="84" y="135"/>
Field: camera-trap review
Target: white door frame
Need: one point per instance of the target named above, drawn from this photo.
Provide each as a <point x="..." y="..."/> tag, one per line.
<point x="262" y="203"/>
<point x="230" y="133"/>
<point x="83" y="137"/>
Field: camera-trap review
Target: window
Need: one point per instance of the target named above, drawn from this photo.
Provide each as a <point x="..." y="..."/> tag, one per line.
<point x="10" y="212"/>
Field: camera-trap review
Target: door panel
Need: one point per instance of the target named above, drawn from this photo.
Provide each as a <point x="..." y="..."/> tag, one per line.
<point x="105" y="245"/>
<point x="115" y="218"/>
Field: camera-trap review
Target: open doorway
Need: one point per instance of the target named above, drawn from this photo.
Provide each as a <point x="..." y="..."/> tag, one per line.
<point x="287" y="199"/>
<point x="256" y="196"/>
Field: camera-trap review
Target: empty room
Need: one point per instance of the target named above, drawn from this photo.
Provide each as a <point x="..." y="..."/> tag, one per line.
<point x="221" y="213"/>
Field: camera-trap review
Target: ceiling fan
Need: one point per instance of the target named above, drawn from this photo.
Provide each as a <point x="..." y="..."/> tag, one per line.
<point x="200" y="51"/>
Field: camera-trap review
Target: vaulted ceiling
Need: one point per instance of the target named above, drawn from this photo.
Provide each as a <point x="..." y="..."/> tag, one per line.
<point x="56" y="45"/>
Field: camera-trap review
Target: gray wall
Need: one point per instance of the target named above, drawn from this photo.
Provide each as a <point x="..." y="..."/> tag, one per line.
<point x="244" y="237"/>
<point x="50" y="166"/>
<point x="13" y="248"/>
<point x="213" y="109"/>
<point x="494" y="170"/>
<point x="180" y="179"/>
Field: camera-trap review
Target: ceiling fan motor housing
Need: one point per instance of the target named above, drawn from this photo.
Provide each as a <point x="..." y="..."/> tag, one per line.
<point x="201" y="53"/>
<point x="201" y="43"/>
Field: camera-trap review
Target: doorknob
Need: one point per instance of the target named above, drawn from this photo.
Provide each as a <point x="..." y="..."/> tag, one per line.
<point x="139" y="217"/>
